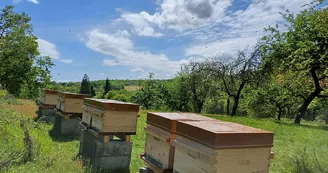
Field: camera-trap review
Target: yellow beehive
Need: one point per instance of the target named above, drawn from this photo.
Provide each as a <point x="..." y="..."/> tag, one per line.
<point x="48" y="97"/>
<point x="110" y="116"/>
<point x="160" y="133"/>
<point x="71" y="102"/>
<point x="221" y="147"/>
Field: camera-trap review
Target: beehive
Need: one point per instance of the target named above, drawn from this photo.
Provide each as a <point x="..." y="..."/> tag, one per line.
<point x="110" y="116"/>
<point x="48" y="97"/>
<point x="221" y="147"/>
<point x="71" y="102"/>
<point x="160" y="133"/>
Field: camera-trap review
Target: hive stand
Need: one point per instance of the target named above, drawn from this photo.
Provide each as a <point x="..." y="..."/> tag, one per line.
<point x="66" y="125"/>
<point x="105" y="152"/>
<point x="46" y="113"/>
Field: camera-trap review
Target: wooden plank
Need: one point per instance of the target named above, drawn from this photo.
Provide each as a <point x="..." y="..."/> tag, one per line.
<point x="243" y="160"/>
<point x="119" y="121"/>
<point x="188" y="161"/>
<point x="193" y="157"/>
<point x="50" y="99"/>
<point x="112" y="105"/>
<point x="219" y="134"/>
<point x="97" y="122"/>
<point x="73" y="105"/>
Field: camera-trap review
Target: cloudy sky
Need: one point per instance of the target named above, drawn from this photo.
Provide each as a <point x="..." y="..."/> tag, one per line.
<point x="125" y="39"/>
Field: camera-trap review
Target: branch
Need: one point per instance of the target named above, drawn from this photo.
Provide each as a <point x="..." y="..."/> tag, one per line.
<point x="323" y="77"/>
<point x="322" y="96"/>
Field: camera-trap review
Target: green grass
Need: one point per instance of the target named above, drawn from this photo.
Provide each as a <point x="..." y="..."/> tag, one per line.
<point x="302" y="148"/>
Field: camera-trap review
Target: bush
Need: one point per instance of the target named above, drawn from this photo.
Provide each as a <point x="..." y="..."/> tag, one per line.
<point x="6" y="97"/>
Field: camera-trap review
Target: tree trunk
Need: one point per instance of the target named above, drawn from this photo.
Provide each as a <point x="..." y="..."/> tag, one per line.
<point x="198" y="106"/>
<point x="236" y="99"/>
<point x="228" y="106"/>
<point x="279" y="113"/>
<point x="310" y="98"/>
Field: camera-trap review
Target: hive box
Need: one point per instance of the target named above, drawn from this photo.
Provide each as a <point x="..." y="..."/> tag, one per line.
<point x="110" y="116"/>
<point x="160" y="133"/>
<point x="71" y="102"/>
<point x="48" y="97"/>
<point x="221" y="147"/>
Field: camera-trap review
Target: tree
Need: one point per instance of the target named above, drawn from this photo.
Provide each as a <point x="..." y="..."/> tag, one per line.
<point x="198" y="84"/>
<point x="21" y="67"/>
<point x="179" y="94"/>
<point x="85" y="85"/>
<point x="234" y="74"/>
<point x="146" y="96"/>
<point x="92" y="91"/>
<point x="107" y="87"/>
<point x="302" y="50"/>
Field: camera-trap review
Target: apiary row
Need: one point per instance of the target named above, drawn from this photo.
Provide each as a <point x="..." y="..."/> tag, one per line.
<point x="175" y="142"/>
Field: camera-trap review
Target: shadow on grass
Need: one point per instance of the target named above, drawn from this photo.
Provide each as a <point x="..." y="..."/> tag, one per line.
<point x="88" y="167"/>
<point x="319" y="127"/>
<point x="56" y="136"/>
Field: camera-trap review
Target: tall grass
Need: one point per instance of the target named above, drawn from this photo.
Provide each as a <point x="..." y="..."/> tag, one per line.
<point x="298" y="148"/>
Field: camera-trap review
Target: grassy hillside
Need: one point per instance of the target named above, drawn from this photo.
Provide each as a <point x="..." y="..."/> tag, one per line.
<point x="297" y="148"/>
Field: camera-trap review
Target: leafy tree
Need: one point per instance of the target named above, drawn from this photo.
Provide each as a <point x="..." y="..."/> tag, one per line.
<point x="234" y="74"/>
<point x="198" y="83"/>
<point x="107" y="87"/>
<point x="302" y="50"/>
<point x="85" y="85"/>
<point x="178" y="97"/>
<point x="271" y="97"/>
<point x="92" y="91"/>
<point x="146" y="97"/>
<point x="22" y="70"/>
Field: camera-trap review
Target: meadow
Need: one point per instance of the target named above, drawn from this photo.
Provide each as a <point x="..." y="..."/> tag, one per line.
<point x="298" y="148"/>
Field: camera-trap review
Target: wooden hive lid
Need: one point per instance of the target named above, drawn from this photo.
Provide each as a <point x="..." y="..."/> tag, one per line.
<point x="167" y="120"/>
<point x="220" y="134"/>
<point x="49" y="91"/>
<point x="74" y="95"/>
<point x="113" y="105"/>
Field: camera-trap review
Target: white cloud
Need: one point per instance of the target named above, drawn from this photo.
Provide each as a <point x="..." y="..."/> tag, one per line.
<point x="179" y="14"/>
<point x="137" y="70"/>
<point x="102" y="74"/>
<point x="125" y="53"/>
<point x="140" y="24"/>
<point x="239" y="29"/>
<point x="32" y="1"/>
<point x="48" y="49"/>
<point x="67" y="61"/>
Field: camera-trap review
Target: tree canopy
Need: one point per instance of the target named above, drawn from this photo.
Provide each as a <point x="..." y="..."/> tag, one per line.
<point x="22" y="70"/>
<point x="302" y="51"/>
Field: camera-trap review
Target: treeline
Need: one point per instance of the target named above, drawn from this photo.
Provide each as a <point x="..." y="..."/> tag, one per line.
<point x="284" y="75"/>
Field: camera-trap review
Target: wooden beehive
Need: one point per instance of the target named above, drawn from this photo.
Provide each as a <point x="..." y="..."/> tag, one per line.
<point x="110" y="116"/>
<point x="160" y="132"/>
<point x="71" y="102"/>
<point x="48" y="97"/>
<point x="221" y="147"/>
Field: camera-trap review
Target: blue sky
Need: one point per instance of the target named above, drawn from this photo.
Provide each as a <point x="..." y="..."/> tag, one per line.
<point x="126" y="39"/>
